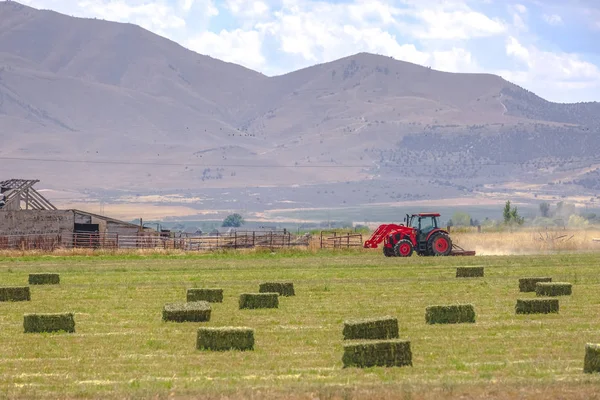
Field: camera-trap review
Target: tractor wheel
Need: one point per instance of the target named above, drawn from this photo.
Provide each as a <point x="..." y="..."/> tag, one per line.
<point x="388" y="252"/>
<point x="403" y="248"/>
<point x="439" y="244"/>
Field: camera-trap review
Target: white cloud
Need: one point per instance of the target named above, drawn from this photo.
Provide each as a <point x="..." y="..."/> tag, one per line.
<point x="553" y="19"/>
<point x="238" y="46"/>
<point x="463" y="24"/>
<point x="247" y="8"/>
<point x="521" y="8"/>
<point x="549" y="74"/>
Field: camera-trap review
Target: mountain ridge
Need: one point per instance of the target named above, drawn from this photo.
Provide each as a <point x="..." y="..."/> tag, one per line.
<point x="76" y="88"/>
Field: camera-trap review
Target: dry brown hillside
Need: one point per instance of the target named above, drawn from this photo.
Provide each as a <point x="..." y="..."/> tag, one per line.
<point x="87" y="89"/>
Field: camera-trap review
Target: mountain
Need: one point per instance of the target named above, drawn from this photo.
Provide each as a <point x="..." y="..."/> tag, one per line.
<point x="157" y="118"/>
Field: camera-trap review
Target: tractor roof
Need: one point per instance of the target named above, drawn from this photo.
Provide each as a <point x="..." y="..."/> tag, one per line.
<point x="427" y="214"/>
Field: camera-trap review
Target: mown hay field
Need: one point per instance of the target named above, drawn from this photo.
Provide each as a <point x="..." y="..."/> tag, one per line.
<point x="122" y="348"/>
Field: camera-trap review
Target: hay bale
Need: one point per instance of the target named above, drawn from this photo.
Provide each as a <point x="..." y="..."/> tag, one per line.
<point x="196" y="311"/>
<point x="452" y="314"/>
<point x="373" y="328"/>
<point x="259" y="300"/>
<point x="553" y="289"/>
<point x="225" y="338"/>
<point x="591" y="362"/>
<point x="44" y="279"/>
<point x="384" y="353"/>
<point x="15" y="293"/>
<point x="536" y="306"/>
<point x="469" y="272"/>
<point x="528" y="284"/>
<point x="283" y="288"/>
<point x="210" y="295"/>
<point x="36" y="323"/>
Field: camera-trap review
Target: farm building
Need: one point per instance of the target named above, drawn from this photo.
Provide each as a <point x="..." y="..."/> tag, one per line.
<point x="25" y="213"/>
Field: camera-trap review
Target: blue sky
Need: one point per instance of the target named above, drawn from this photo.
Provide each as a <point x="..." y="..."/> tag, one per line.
<point x="551" y="47"/>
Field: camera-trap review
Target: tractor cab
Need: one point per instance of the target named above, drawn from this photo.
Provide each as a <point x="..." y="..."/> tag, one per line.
<point x="423" y="224"/>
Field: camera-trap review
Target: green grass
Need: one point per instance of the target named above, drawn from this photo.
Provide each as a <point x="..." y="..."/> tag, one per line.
<point x="122" y="348"/>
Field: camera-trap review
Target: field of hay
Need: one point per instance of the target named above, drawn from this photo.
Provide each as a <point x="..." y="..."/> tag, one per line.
<point x="122" y="348"/>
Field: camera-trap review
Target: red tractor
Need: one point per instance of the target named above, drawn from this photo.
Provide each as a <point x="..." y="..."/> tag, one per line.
<point x="421" y="234"/>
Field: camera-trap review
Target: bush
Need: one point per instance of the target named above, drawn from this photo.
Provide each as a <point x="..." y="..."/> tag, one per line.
<point x="15" y="293"/>
<point x="35" y="323"/>
<point x="259" y="300"/>
<point x="225" y="338"/>
<point x="536" y="306"/>
<point x="210" y="295"/>
<point x="283" y="288"/>
<point x="196" y="311"/>
<point x="469" y="272"/>
<point x="385" y="353"/>
<point x="528" y="284"/>
<point x="591" y="362"/>
<point x="375" y="328"/>
<point x="454" y="314"/>
<point x="44" y="279"/>
<point x="553" y="289"/>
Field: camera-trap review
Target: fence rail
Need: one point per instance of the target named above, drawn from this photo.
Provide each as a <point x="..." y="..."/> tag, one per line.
<point x="233" y="240"/>
<point x="336" y="240"/>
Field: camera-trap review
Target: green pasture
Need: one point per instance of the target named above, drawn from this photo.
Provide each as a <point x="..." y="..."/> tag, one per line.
<point x="121" y="347"/>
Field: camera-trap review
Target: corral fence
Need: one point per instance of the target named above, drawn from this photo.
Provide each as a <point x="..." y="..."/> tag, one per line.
<point x="93" y="240"/>
<point x="338" y="240"/>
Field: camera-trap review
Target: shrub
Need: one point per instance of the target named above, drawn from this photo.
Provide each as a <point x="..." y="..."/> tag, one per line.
<point x="283" y="288"/>
<point x="453" y="314"/>
<point x="259" y="300"/>
<point x="210" y="295"/>
<point x="386" y="353"/>
<point x="375" y="328"/>
<point x="591" y="362"/>
<point x="196" y="311"/>
<point x="469" y="272"/>
<point x="536" y="306"/>
<point x="528" y="284"/>
<point x="35" y="323"/>
<point x="15" y="293"/>
<point x="553" y="289"/>
<point x="44" y="279"/>
<point x="225" y="338"/>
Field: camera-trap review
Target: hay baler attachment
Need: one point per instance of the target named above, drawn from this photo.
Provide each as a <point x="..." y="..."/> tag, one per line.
<point x="459" y="251"/>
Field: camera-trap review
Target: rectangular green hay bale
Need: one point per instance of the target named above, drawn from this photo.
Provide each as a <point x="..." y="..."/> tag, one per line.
<point x="372" y="328"/>
<point x="536" y="306"/>
<point x="591" y="362"/>
<point x="195" y="311"/>
<point x="450" y="314"/>
<point x="469" y="272"/>
<point x="381" y="353"/>
<point x="553" y="289"/>
<point x="210" y="295"/>
<point x="259" y="300"/>
<point x="44" y="279"/>
<point x="15" y="293"/>
<point x="528" y="284"/>
<point x="37" y="323"/>
<point x="225" y="338"/>
<point x="283" y="288"/>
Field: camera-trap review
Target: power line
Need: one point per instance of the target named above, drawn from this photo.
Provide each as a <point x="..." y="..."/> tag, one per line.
<point x="444" y="162"/>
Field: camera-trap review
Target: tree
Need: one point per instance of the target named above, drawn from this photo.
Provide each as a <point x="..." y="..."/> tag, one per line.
<point x="545" y="209"/>
<point x="233" y="220"/>
<point x="511" y="215"/>
<point x="461" y="219"/>
<point x="506" y="212"/>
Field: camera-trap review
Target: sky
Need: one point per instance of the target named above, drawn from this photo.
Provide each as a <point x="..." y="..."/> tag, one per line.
<point x="550" y="47"/>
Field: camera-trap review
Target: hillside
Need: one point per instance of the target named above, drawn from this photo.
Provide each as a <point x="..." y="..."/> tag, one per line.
<point x="92" y="90"/>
